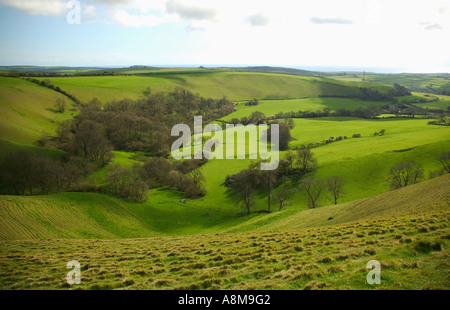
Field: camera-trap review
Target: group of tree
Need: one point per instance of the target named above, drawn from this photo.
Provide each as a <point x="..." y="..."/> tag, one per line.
<point x="252" y="102"/>
<point x="409" y="172"/>
<point x="142" y="125"/>
<point x="25" y="172"/>
<point x="249" y="182"/>
<point x="184" y="175"/>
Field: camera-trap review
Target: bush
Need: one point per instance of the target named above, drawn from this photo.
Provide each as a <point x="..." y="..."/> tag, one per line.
<point x="356" y="135"/>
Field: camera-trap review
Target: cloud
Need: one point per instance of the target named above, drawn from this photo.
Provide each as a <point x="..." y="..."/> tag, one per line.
<point x="89" y="13"/>
<point x="317" y="20"/>
<point x="435" y="26"/>
<point x="38" y="7"/>
<point x="190" y="12"/>
<point x="124" y="18"/>
<point x="258" y="20"/>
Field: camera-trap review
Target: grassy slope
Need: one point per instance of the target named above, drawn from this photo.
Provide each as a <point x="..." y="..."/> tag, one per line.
<point x="80" y="215"/>
<point x="363" y="163"/>
<point x="89" y="215"/>
<point x="407" y="231"/>
<point x="272" y="107"/>
<point x="233" y="85"/>
<point x="27" y="111"/>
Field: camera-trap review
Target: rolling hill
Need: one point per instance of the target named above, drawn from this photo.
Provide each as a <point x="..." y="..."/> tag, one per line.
<point x="27" y="111"/>
<point x="405" y="230"/>
<point x="210" y="84"/>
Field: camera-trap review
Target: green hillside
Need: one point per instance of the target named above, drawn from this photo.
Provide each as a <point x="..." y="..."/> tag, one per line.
<point x="96" y="216"/>
<point x="212" y="84"/>
<point x="408" y="237"/>
<point x="27" y="111"/>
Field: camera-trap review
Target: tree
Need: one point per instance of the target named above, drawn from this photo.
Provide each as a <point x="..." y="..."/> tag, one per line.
<point x="284" y="136"/>
<point x="245" y="184"/>
<point x="197" y="176"/>
<point x="282" y="194"/>
<point x="306" y="160"/>
<point x="313" y="188"/>
<point x="290" y="156"/>
<point x="268" y="180"/>
<point x="444" y="159"/>
<point x="91" y="139"/>
<point x="60" y="105"/>
<point x="125" y="182"/>
<point x="404" y="174"/>
<point x="256" y="117"/>
<point x="64" y="131"/>
<point x="335" y="188"/>
<point x="117" y="179"/>
<point x="290" y="122"/>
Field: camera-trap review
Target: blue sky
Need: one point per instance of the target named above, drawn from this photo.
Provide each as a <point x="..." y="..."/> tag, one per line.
<point x="402" y="35"/>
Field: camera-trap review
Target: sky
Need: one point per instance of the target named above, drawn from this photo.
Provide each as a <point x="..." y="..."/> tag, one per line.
<point x="376" y="35"/>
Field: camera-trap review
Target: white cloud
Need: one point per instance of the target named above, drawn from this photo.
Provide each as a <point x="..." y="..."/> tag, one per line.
<point x="189" y="11"/>
<point x="339" y="21"/>
<point x="258" y="20"/>
<point x="124" y="18"/>
<point x="38" y="7"/>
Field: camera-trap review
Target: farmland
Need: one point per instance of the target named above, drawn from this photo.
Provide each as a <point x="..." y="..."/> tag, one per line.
<point x="171" y="241"/>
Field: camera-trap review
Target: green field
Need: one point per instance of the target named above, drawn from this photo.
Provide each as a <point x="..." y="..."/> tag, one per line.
<point x="171" y="242"/>
<point x="409" y="239"/>
<point x="233" y="85"/>
<point x="272" y="107"/>
<point x="27" y="111"/>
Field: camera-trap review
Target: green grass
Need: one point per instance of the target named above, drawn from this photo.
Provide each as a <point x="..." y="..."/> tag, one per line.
<point x="7" y="147"/>
<point x="405" y="79"/>
<point x="363" y="163"/>
<point x="27" y="111"/>
<point x="212" y="84"/>
<point x="205" y="243"/>
<point x="272" y="107"/>
<point x="410" y="240"/>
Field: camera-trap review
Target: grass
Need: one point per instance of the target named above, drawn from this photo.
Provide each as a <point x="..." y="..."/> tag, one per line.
<point x="168" y="242"/>
<point x="210" y="84"/>
<point x="27" y="111"/>
<point x="272" y="107"/>
<point x="328" y="257"/>
<point x="363" y="163"/>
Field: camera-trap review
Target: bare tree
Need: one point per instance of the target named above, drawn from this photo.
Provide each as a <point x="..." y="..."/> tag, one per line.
<point x="60" y="105"/>
<point x="290" y="157"/>
<point x="245" y="184"/>
<point x="313" y="188"/>
<point x="404" y="174"/>
<point x="335" y="186"/>
<point x="268" y="180"/>
<point x="282" y="194"/>
<point x="306" y="160"/>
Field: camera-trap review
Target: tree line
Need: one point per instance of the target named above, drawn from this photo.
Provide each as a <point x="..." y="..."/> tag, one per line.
<point x="294" y="174"/>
